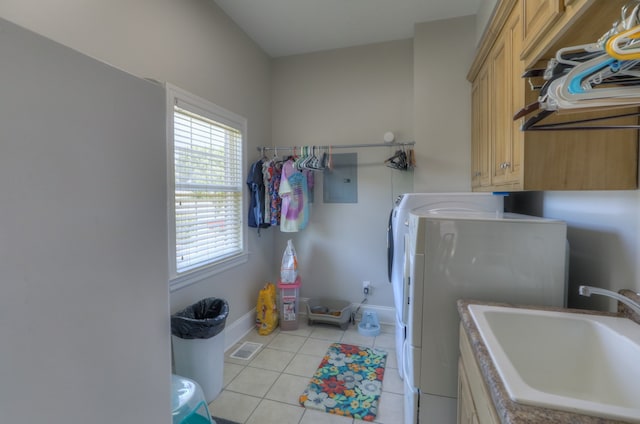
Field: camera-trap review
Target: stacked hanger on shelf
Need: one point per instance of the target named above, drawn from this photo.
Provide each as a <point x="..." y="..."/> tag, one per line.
<point x="601" y="75"/>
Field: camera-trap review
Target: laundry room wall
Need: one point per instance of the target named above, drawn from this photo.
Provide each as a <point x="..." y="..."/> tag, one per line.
<point x="603" y="229"/>
<point x="195" y="46"/>
<point x="346" y="96"/>
<point x="443" y="51"/>
<point x="484" y="15"/>
<point x="83" y="310"/>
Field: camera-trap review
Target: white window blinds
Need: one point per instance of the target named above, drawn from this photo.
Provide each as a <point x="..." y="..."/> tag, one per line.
<point x="208" y="183"/>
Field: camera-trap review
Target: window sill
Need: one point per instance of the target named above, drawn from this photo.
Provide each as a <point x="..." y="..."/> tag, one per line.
<point x="199" y="274"/>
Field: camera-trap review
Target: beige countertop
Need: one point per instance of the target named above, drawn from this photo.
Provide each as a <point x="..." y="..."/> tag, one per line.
<point x="511" y="412"/>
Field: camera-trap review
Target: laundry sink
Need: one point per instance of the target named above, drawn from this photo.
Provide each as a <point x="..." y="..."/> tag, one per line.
<point x="588" y="364"/>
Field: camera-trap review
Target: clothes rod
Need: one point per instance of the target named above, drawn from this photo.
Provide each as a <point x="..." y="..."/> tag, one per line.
<point x="341" y="146"/>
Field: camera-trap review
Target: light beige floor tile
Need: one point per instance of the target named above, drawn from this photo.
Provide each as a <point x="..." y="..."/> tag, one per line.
<point x="392" y="358"/>
<point x="230" y="372"/>
<point x="288" y="389"/>
<point x="392" y="382"/>
<point x="385" y="340"/>
<point x="272" y="359"/>
<point x="233" y="406"/>
<point x="271" y="412"/>
<point x="355" y="338"/>
<point x="393" y="371"/>
<point x="388" y="328"/>
<point x="285" y="341"/>
<point x="246" y="382"/>
<point x="253" y="381"/>
<point x="303" y="328"/>
<point x="319" y="417"/>
<point x="390" y="410"/>
<point x="303" y="365"/>
<point x="315" y="347"/>
<point x="326" y="332"/>
<point x="253" y="336"/>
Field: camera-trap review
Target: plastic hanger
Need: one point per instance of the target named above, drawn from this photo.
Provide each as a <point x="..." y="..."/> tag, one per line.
<point x="623" y="46"/>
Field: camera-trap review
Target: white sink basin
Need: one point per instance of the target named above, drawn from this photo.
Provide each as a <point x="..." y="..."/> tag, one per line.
<point x="580" y="363"/>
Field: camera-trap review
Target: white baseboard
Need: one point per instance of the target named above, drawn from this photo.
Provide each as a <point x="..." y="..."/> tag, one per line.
<point x="235" y="331"/>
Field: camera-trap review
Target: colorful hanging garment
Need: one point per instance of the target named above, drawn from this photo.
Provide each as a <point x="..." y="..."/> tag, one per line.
<point x="273" y="188"/>
<point x="255" y="183"/>
<point x="295" y="199"/>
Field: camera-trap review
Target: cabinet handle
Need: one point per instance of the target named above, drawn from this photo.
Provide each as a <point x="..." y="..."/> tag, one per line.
<point x="507" y="164"/>
<point x="477" y="174"/>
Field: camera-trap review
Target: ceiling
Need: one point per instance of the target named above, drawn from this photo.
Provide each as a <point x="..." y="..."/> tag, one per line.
<point x="288" y="27"/>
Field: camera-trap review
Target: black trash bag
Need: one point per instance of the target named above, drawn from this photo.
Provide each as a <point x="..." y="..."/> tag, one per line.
<point x="202" y="320"/>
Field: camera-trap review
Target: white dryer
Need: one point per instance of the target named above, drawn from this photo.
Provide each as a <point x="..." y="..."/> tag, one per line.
<point x="398" y="228"/>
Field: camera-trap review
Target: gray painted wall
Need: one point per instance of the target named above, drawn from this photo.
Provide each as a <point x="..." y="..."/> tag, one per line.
<point x="443" y="51"/>
<point x="195" y="46"/>
<point x="604" y="235"/>
<point x="346" y="96"/>
<point x="222" y="65"/>
<point x="84" y="306"/>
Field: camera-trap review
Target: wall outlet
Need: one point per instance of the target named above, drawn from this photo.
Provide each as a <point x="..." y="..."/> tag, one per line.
<point x="366" y="288"/>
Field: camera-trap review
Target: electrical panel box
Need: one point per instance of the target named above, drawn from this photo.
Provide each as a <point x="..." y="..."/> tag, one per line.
<point x="340" y="183"/>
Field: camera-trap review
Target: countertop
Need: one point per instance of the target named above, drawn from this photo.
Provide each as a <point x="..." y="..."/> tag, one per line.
<point x="508" y="411"/>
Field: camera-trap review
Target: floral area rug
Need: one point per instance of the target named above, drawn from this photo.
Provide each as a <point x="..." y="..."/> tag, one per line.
<point x="348" y="382"/>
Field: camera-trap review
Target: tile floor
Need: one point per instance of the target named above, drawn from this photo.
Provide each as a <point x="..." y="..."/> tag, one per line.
<point x="265" y="388"/>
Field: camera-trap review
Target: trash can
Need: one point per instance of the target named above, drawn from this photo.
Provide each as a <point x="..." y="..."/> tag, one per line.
<point x="198" y="343"/>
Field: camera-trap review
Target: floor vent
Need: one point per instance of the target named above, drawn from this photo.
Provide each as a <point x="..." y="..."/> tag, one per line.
<point x="246" y="350"/>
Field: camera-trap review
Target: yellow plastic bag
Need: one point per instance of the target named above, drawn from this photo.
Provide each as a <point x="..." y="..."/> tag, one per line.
<point x="267" y="310"/>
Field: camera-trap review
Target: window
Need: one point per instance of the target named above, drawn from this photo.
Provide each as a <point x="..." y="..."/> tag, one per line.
<point x="206" y="154"/>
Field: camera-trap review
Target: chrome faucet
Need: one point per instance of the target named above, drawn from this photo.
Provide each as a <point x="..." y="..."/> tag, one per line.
<point x="588" y="291"/>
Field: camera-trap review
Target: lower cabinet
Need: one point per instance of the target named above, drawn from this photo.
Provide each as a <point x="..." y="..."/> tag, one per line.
<point x="474" y="401"/>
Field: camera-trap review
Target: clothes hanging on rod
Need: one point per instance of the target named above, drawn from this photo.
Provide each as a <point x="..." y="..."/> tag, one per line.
<point x="318" y="158"/>
<point x="338" y="146"/>
<point x="280" y="194"/>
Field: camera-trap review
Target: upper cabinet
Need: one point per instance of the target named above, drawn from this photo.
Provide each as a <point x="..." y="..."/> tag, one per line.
<point x="524" y="34"/>
<point x="537" y="17"/>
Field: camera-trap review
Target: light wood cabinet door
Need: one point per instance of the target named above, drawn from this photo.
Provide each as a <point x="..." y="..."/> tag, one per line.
<point x="466" y="408"/>
<point x="537" y="17"/>
<point x="507" y="96"/>
<point x="474" y="402"/>
<point x="499" y="106"/>
<point x="480" y="137"/>
<point x="515" y="67"/>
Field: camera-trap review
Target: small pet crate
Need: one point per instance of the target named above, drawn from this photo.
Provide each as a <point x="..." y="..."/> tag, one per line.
<point x="329" y="311"/>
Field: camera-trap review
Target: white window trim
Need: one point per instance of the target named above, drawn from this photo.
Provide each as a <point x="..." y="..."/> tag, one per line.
<point x="177" y="96"/>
